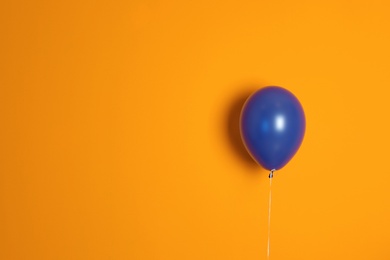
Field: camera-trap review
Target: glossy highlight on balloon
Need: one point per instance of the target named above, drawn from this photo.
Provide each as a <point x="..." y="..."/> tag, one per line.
<point x="272" y="126"/>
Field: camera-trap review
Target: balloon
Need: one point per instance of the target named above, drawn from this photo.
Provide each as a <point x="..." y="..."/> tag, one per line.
<point x="272" y="126"/>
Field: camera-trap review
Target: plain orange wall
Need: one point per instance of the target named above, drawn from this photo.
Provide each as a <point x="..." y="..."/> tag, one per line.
<point x="119" y="135"/>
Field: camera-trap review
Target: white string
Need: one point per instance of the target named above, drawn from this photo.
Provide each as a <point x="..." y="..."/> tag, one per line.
<point x="271" y="175"/>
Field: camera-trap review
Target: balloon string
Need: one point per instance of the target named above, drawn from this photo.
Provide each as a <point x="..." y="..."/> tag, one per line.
<point x="271" y="175"/>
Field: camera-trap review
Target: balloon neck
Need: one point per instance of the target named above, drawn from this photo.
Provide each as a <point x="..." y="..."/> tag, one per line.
<point x="271" y="174"/>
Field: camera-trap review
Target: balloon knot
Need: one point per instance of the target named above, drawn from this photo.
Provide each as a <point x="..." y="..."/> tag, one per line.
<point x="271" y="174"/>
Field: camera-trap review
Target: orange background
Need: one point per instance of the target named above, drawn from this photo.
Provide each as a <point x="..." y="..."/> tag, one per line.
<point x="119" y="135"/>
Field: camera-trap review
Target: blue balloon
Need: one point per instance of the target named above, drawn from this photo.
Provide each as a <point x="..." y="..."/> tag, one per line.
<point x="272" y="125"/>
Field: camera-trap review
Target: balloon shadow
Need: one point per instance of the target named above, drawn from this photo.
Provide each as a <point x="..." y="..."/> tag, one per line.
<point x="233" y="128"/>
